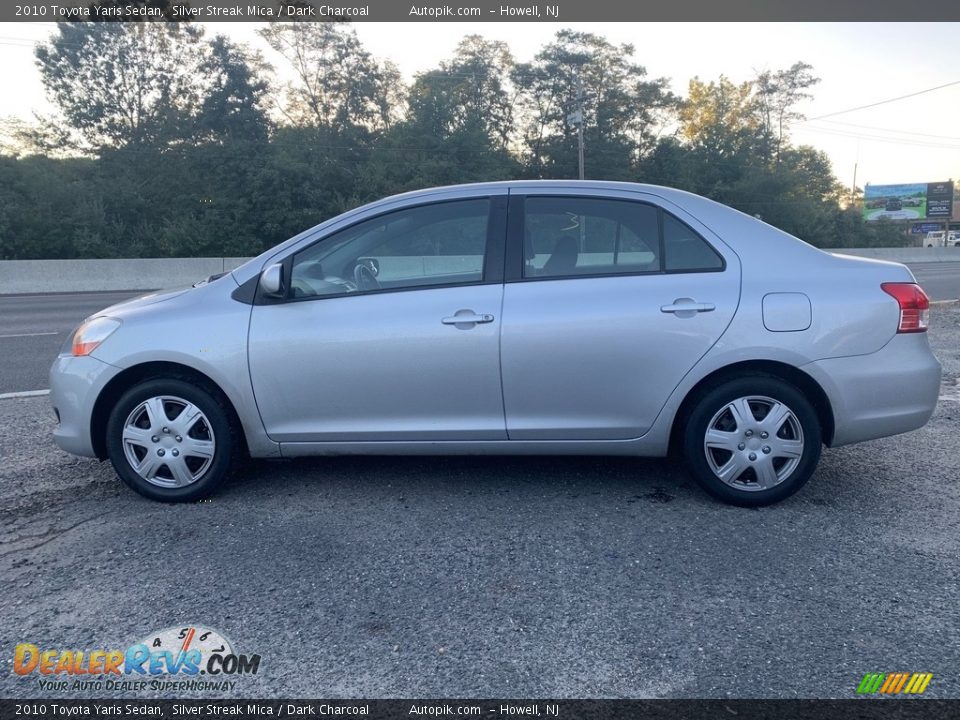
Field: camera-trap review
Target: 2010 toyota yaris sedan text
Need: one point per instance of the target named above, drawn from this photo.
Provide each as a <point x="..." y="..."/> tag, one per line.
<point x="538" y="317"/>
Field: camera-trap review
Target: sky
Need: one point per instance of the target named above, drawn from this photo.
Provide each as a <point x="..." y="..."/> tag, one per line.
<point x="916" y="139"/>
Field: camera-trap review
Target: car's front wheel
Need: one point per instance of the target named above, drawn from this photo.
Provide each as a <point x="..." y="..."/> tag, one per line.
<point x="171" y="440"/>
<point x="752" y="440"/>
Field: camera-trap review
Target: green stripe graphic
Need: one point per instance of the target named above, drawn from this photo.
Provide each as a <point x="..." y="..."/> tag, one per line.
<point x="871" y="683"/>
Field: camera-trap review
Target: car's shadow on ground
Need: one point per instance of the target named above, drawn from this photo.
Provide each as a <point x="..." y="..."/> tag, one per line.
<point x="658" y="481"/>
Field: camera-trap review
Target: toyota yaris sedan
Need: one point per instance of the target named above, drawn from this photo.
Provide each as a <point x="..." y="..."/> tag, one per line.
<point x="539" y="317"/>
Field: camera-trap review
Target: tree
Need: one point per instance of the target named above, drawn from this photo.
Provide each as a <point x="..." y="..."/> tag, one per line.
<point x="188" y="161"/>
<point x="119" y="84"/>
<point x="719" y="118"/>
<point x="339" y="84"/>
<point x="623" y="110"/>
<point x="458" y="126"/>
<point x="467" y="94"/>
<point x="725" y="154"/>
<point x="777" y="94"/>
<point x="233" y="108"/>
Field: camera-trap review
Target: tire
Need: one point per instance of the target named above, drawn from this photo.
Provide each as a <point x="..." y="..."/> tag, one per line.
<point x="179" y="457"/>
<point x="758" y="459"/>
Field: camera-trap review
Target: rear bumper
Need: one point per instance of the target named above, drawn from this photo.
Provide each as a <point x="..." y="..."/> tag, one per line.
<point x="891" y="391"/>
<point x="75" y="385"/>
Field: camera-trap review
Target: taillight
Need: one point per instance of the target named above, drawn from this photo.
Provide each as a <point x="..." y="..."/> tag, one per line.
<point x="914" y="306"/>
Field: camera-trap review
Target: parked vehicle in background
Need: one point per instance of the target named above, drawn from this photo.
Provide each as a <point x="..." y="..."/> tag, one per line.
<point x="936" y="239"/>
<point x="538" y="317"/>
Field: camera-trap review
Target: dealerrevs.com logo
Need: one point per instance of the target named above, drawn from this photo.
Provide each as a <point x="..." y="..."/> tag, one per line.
<point x="192" y="657"/>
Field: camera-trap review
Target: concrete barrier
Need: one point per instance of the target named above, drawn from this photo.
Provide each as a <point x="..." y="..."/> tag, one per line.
<point x="904" y="255"/>
<point x="51" y="276"/>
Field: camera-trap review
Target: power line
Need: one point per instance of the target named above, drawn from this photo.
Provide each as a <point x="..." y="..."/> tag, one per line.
<point x="893" y="130"/>
<point x="883" y="102"/>
<point x="881" y="138"/>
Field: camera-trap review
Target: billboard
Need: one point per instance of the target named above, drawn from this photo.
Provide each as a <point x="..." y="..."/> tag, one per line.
<point x="910" y="201"/>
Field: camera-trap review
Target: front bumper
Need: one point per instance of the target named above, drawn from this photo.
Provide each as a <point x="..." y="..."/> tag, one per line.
<point x="75" y="385"/>
<point x="891" y="391"/>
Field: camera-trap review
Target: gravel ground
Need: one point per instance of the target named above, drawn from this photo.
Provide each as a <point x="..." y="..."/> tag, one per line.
<point x="501" y="577"/>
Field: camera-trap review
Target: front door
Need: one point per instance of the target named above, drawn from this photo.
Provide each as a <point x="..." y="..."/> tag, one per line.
<point x="390" y="331"/>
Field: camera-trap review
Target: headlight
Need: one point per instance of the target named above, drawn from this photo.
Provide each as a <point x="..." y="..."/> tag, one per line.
<point x="90" y="334"/>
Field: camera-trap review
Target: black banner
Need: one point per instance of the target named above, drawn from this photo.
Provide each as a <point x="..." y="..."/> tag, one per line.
<point x="858" y="709"/>
<point x="479" y="11"/>
<point x="940" y="200"/>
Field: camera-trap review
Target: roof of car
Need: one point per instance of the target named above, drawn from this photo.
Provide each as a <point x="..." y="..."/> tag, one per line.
<point x="545" y="184"/>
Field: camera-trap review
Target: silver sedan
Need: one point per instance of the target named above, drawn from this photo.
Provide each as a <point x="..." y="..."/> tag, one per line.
<point x="521" y="317"/>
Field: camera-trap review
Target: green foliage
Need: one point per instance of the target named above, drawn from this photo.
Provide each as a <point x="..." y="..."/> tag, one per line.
<point x="777" y="95"/>
<point x="119" y="84"/>
<point x="234" y="106"/>
<point x="182" y="156"/>
<point x="467" y="95"/>
<point x="338" y="83"/>
<point x="622" y="110"/>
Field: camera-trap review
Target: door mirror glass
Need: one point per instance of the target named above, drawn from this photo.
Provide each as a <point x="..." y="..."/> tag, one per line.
<point x="271" y="281"/>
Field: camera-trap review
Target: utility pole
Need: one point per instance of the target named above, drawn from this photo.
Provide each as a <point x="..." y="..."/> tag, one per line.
<point x="580" y="123"/>
<point x="576" y="118"/>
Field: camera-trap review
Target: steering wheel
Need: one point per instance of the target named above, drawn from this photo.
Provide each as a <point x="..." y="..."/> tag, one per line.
<point x="364" y="278"/>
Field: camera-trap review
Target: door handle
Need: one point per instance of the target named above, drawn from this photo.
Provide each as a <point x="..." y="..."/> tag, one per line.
<point x="467" y="317"/>
<point x="686" y="307"/>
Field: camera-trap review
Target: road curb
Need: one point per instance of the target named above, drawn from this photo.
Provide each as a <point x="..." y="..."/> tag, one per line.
<point x="24" y="394"/>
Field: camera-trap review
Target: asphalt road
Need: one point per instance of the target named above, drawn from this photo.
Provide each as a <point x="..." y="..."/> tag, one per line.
<point x="940" y="280"/>
<point x="501" y="577"/>
<point x="33" y="327"/>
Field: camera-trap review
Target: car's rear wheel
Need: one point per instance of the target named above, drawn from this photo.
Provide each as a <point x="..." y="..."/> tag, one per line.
<point x="171" y="440"/>
<point x="752" y="440"/>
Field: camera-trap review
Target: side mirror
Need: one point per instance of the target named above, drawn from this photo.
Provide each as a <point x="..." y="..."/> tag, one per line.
<point x="271" y="281"/>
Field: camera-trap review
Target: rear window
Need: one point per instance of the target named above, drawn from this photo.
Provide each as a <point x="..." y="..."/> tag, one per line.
<point x="685" y="250"/>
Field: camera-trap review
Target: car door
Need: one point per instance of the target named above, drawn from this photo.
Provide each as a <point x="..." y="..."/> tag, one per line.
<point x="388" y="331"/>
<point x="609" y="302"/>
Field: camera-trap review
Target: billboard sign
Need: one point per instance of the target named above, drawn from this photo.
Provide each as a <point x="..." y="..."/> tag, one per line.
<point x="940" y="200"/>
<point x="910" y="201"/>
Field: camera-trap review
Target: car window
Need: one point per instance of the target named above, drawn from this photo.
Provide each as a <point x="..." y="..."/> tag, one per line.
<point x="685" y="250"/>
<point x="438" y="244"/>
<point x="572" y="237"/>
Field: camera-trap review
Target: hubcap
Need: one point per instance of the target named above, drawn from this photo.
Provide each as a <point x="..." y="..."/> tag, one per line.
<point x="753" y="443"/>
<point x="168" y="441"/>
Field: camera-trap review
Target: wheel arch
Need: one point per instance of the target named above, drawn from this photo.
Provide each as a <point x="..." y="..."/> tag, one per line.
<point x="769" y="368"/>
<point x="131" y="376"/>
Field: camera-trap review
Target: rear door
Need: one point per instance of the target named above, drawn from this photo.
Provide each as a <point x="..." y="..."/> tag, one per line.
<point x="609" y="302"/>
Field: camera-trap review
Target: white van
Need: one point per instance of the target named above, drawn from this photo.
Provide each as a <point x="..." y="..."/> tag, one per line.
<point x="935" y="239"/>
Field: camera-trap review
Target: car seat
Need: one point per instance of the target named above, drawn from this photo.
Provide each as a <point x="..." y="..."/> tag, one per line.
<point x="563" y="259"/>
